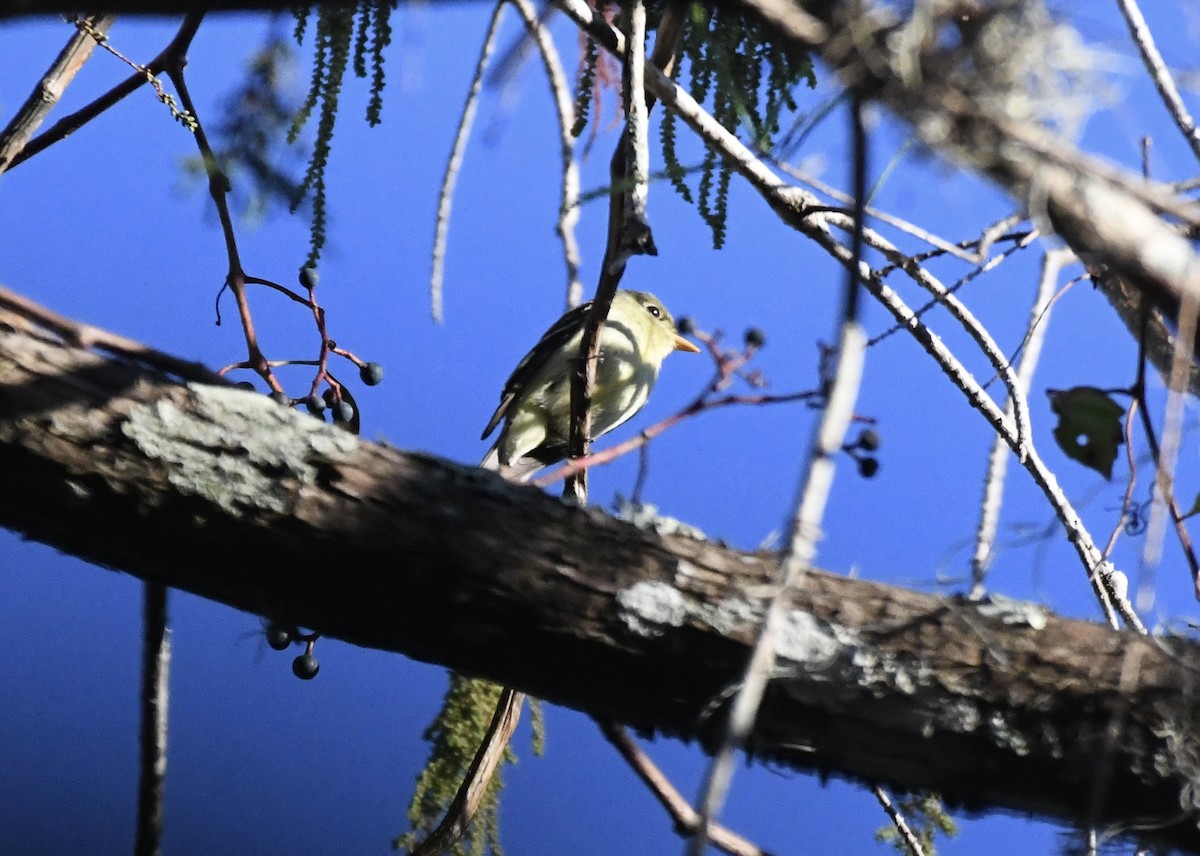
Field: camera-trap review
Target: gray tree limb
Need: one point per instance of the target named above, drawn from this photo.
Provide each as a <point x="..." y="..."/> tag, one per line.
<point x="230" y="496"/>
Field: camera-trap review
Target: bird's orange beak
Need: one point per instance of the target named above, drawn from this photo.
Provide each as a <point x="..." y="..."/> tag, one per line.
<point x="682" y="344"/>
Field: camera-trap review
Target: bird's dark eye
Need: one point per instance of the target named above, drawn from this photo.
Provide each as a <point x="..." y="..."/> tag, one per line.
<point x="654" y="310"/>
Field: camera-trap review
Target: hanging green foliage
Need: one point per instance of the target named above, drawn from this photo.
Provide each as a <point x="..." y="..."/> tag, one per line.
<point x="454" y="736"/>
<point x="584" y="84"/>
<point x="747" y="82"/>
<point x="344" y="34"/>
<point x="726" y="62"/>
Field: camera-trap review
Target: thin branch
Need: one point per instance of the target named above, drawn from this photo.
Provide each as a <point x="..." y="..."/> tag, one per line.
<point x="155" y="705"/>
<point x="807" y="518"/>
<point x="1144" y="39"/>
<point x="218" y="189"/>
<point x="1105" y="213"/>
<point x="564" y="107"/>
<point x="1020" y="242"/>
<point x="828" y="437"/>
<point x="903" y="225"/>
<point x="621" y="242"/>
<point x="1127" y="521"/>
<point x="993" y="483"/>
<point x="1181" y="532"/>
<point x="508" y="65"/>
<point x="898" y="821"/>
<point x="685" y="818"/>
<point x="636" y="236"/>
<point x="794" y="207"/>
<point x="84" y="335"/>
<point x="454" y="164"/>
<point x="63" y="128"/>
<point x="20" y="129"/>
<point x="978" y="332"/>
<point x="1100" y="573"/>
<point x="1172" y="437"/>
<point x="474" y="786"/>
<point x="643" y="438"/>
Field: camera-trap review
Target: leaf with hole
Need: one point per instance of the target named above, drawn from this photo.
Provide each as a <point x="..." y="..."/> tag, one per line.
<point x="1089" y="426"/>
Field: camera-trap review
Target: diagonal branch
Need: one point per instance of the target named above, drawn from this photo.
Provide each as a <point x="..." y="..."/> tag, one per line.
<point x="68" y="125"/>
<point x="803" y="212"/>
<point x="223" y="493"/>
<point x="15" y="137"/>
<point x="686" y="819"/>
<point x="1139" y="31"/>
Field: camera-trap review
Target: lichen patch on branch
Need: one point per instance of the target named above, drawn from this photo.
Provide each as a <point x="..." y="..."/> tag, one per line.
<point x="245" y="475"/>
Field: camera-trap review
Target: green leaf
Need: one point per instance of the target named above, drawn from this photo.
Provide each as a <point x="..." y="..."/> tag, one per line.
<point x="1089" y="426"/>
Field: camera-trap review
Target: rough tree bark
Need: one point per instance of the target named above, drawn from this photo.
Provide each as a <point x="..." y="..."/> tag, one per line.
<point x="225" y="494"/>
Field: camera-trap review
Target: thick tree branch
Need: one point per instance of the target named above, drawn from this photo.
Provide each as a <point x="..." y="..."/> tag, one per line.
<point x="226" y="494"/>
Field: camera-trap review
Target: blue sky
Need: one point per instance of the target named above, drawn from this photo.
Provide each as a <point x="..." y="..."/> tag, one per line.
<point x="105" y="227"/>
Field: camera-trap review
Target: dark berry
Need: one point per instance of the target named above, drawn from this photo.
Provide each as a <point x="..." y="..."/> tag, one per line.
<point x="305" y="667"/>
<point x="330" y="397"/>
<point x="315" y="404"/>
<point x="245" y="384"/>
<point x="371" y="374"/>
<point x="868" y="440"/>
<point x="278" y="636"/>
<point x="868" y="467"/>
<point x="343" y="412"/>
<point x="309" y="277"/>
<point x="685" y="326"/>
<point x="755" y="338"/>
<point x="281" y="398"/>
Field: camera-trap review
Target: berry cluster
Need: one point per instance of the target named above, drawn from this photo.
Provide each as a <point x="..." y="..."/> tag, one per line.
<point x="281" y="636"/>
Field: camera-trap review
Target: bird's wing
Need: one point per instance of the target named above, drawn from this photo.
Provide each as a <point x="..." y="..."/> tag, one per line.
<point x="553" y="339"/>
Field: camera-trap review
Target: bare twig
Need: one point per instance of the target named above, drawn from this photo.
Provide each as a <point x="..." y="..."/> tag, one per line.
<point x="816" y="484"/>
<point x="184" y="117"/>
<point x="642" y="439"/>
<point x="883" y="216"/>
<point x="1020" y="242"/>
<point x="66" y="126"/>
<point x="636" y="236"/>
<point x="993" y="483"/>
<point x="218" y="188"/>
<point x="944" y="296"/>
<point x="1139" y="388"/>
<point x="560" y="91"/>
<point x="1126" y="520"/>
<point x="86" y="336"/>
<point x="155" y="705"/>
<point x="77" y="51"/>
<point x="682" y="814"/>
<point x="1172" y="436"/>
<point x="1144" y="39"/>
<point x="454" y="164"/>
<point x="510" y="61"/>
<point x="902" y="828"/>
<point x="621" y="242"/>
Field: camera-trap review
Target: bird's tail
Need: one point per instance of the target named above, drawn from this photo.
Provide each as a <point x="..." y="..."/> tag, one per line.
<point x="491" y="461"/>
<point x="518" y="471"/>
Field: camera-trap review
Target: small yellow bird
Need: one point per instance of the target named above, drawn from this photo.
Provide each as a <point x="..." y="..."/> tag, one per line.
<point x="536" y="402"/>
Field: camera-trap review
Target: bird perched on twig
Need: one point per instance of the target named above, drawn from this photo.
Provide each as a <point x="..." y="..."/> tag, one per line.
<point x="536" y="403"/>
